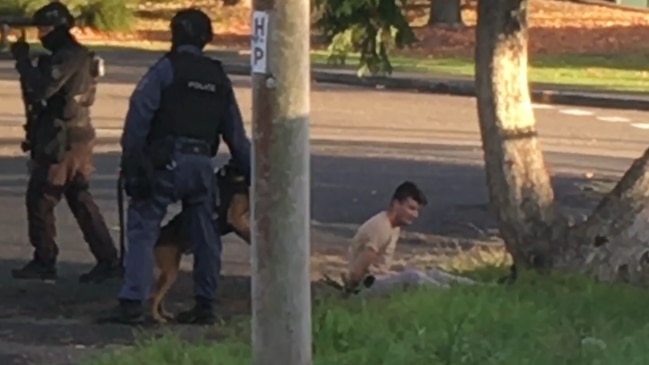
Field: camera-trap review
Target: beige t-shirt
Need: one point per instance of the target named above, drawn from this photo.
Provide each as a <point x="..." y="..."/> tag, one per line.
<point x="377" y="233"/>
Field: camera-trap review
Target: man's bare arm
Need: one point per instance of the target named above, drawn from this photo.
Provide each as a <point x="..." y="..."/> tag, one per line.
<point x="361" y="266"/>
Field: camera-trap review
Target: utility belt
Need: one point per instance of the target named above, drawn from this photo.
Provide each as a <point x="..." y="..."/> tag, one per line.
<point x="139" y="170"/>
<point x="161" y="152"/>
<point x="195" y="148"/>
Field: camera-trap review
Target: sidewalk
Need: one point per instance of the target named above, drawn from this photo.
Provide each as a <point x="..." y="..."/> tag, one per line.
<point x="238" y="64"/>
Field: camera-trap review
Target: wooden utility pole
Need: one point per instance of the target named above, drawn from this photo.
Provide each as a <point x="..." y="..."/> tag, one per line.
<point x="281" y="288"/>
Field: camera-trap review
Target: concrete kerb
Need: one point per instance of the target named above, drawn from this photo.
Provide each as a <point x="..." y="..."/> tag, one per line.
<point x="465" y="88"/>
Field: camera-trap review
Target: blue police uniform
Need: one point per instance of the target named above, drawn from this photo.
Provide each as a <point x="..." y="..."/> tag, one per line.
<point x="189" y="179"/>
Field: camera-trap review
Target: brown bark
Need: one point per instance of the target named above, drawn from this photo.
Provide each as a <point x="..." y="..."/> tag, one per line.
<point x="519" y="184"/>
<point x="445" y="12"/>
<point x="613" y="243"/>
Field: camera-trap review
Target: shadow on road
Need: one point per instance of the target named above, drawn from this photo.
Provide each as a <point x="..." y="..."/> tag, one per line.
<point x="68" y="299"/>
<point x="350" y="181"/>
<point x="54" y="322"/>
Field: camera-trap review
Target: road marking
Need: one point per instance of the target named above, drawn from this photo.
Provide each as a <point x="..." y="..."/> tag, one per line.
<point x="640" y="125"/>
<point x="614" y="119"/>
<point x="541" y="106"/>
<point x="577" y="112"/>
<point x="108" y="132"/>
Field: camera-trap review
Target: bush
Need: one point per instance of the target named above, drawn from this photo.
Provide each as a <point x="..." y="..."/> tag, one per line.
<point x="538" y="321"/>
<point x="371" y="27"/>
<point x="104" y="15"/>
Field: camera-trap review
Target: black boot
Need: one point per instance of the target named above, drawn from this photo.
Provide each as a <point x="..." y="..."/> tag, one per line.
<point x="103" y="271"/>
<point x="36" y="270"/>
<point x="201" y="314"/>
<point x="129" y="312"/>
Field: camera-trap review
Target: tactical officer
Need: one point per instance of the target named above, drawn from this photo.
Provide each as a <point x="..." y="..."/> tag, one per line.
<point x="61" y="143"/>
<point x="177" y="114"/>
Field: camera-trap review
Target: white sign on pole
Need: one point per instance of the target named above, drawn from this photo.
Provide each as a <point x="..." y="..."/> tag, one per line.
<point x="259" y="42"/>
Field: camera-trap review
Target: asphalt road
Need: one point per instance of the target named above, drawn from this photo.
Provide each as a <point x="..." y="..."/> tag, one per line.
<point x="364" y="142"/>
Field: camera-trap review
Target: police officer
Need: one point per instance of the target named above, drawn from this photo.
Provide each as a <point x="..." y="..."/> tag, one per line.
<point x="177" y="114"/>
<point x="61" y="147"/>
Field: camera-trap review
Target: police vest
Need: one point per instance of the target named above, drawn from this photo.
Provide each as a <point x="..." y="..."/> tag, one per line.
<point x="195" y="102"/>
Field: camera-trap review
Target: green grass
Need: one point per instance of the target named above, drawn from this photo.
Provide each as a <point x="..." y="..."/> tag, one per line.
<point x="540" y="321"/>
<point x="628" y="71"/>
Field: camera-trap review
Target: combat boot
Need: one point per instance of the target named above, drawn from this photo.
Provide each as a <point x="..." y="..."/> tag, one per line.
<point x="35" y="270"/>
<point x="128" y="312"/>
<point x="201" y="314"/>
<point x="103" y="271"/>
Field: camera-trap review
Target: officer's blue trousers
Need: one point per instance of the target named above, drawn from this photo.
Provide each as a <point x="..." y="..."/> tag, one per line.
<point x="191" y="181"/>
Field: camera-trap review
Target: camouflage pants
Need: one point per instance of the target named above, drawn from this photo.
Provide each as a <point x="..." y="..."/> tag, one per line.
<point x="69" y="179"/>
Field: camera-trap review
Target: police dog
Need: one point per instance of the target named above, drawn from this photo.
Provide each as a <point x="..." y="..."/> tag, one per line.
<point x="234" y="216"/>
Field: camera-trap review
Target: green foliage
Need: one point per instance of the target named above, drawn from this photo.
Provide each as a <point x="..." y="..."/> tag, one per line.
<point x="554" y="320"/>
<point x="371" y="27"/>
<point x="105" y="15"/>
<point x="20" y="7"/>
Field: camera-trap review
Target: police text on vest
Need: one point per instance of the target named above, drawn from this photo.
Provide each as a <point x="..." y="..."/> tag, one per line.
<point x="202" y="87"/>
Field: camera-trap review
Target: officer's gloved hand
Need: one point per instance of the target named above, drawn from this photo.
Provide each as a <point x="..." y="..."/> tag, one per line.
<point x="20" y="50"/>
<point x="137" y="189"/>
<point x="138" y="175"/>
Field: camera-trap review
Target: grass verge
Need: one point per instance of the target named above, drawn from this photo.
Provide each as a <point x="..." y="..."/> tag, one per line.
<point x="539" y="321"/>
<point x="624" y="71"/>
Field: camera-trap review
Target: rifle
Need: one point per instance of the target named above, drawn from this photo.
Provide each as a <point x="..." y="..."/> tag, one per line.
<point x="33" y="109"/>
<point x="7" y="22"/>
<point x="30" y="111"/>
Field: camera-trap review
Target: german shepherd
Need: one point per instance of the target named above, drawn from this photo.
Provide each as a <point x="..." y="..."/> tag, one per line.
<point x="234" y="216"/>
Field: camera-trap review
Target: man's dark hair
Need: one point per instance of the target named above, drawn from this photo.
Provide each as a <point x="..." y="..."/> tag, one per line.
<point x="408" y="189"/>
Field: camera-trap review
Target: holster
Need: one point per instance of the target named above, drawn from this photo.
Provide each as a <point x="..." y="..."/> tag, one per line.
<point x="139" y="176"/>
<point x="51" y="139"/>
<point x="160" y="153"/>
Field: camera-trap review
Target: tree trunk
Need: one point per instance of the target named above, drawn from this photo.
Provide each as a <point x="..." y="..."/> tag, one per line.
<point x="519" y="184"/>
<point x="445" y="12"/>
<point x="613" y="243"/>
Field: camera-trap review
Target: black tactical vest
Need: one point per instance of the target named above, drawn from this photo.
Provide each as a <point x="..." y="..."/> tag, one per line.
<point x="195" y="103"/>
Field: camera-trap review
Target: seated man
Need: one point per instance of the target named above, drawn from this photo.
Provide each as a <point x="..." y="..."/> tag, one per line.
<point x="374" y="244"/>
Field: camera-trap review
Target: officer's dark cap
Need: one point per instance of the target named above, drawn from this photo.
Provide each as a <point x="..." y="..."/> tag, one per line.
<point x="53" y="14"/>
<point x="192" y="26"/>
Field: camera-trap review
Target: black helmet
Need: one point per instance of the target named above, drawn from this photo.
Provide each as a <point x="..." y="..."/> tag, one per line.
<point x="53" y="14"/>
<point x="191" y="26"/>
